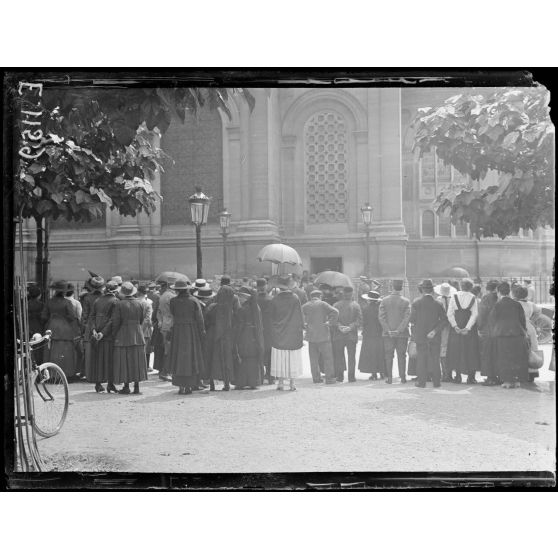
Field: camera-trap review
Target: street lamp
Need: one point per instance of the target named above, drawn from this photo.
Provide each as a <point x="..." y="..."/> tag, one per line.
<point x="224" y="222"/>
<point x="366" y="211"/>
<point x="199" y="210"/>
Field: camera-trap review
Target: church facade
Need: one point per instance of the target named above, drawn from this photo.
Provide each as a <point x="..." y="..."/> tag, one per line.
<point x="297" y="170"/>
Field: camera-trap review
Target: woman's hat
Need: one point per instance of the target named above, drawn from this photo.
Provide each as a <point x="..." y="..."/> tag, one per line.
<point x="60" y="286"/>
<point x="371" y="295"/>
<point x="204" y="292"/>
<point x="117" y="279"/>
<point x="180" y="285"/>
<point x="445" y="289"/>
<point x="33" y="291"/>
<point x="128" y="289"/>
<point x="96" y="282"/>
<point x="111" y="286"/>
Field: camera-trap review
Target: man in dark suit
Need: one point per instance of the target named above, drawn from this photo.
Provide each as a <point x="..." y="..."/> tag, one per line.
<point x="428" y="319"/>
<point x="264" y="303"/>
<point x="394" y="314"/>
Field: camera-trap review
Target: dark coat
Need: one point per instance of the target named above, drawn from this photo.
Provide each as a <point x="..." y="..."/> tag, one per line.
<point x="485" y="308"/>
<point x="264" y="302"/>
<point x="60" y="316"/>
<point x="507" y="319"/>
<point x="371" y="358"/>
<point x="127" y="319"/>
<point x="350" y="314"/>
<point x="87" y="313"/>
<point x="34" y="310"/>
<point x="394" y="314"/>
<point x="187" y="334"/>
<point x="287" y="322"/>
<point x="102" y="315"/>
<point x="427" y="315"/>
<point x="249" y="344"/>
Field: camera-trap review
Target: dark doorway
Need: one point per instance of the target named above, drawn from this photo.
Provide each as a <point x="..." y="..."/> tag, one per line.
<point x="318" y="265"/>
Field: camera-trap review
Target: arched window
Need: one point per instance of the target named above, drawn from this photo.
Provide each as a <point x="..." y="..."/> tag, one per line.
<point x="428" y="224"/>
<point x="444" y="225"/>
<point x="325" y="169"/>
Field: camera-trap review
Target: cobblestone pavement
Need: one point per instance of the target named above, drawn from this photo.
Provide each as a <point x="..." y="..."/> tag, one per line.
<point x="364" y="426"/>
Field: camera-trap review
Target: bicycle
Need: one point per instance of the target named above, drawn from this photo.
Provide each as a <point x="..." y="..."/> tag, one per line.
<point x="49" y="397"/>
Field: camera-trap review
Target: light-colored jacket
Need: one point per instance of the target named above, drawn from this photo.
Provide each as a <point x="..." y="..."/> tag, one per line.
<point x="164" y="316"/>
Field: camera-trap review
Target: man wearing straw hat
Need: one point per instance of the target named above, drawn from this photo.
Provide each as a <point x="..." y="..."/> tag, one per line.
<point x="445" y="290"/>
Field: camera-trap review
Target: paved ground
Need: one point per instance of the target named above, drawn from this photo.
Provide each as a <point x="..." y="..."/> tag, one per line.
<point x="365" y="426"/>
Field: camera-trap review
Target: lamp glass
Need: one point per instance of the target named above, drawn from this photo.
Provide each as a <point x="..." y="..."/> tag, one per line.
<point x="224" y="220"/>
<point x="199" y="207"/>
<point x="366" y="211"/>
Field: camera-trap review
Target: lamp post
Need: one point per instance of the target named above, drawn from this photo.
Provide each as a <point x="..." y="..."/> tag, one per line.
<point x="199" y="210"/>
<point x="366" y="211"/>
<point x="224" y="222"/>
<point x="477" y="254"/>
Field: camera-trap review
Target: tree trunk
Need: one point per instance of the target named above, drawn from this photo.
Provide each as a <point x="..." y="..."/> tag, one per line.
<point x="41" y="260"/>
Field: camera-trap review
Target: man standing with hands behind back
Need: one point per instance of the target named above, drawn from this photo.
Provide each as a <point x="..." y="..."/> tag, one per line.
<point x="394" y="314"/>
<point x="428" y="319"/>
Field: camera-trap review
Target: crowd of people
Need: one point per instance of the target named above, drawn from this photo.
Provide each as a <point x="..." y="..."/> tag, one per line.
<point x="248" y="332"/>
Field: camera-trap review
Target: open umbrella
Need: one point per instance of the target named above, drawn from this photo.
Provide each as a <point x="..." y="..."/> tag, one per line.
<point x="333" y="279"/>
<point x="279" y="254"/>
<point x="456" y="272"/>
<point x="171" y="277"/>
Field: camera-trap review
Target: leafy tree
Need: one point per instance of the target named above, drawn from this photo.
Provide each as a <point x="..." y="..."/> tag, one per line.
<point x="508" y="131"/>
<point x="96" y="150"/>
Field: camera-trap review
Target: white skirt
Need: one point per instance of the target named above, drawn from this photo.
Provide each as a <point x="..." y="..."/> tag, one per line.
<point x="286" y="364"/>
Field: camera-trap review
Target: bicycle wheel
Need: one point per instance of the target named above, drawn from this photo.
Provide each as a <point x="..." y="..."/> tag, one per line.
<point x="50" y="399"/>
<point x="543" y="327"/>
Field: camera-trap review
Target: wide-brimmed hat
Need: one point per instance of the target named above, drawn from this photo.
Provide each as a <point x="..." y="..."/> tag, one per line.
<point x="111" y="286"/>
<point x="445" y="289"/>
<point x="180" y="285"/>
<point x="60" y="286"/>
<point x="128" y="289"/>
<point x="96" y="282"/>
<point x="426" y="284"/>
<point x="199" y="283"/>
<point x="371" y="295"/>
<point x="117" y="279"/>
<point x="204" y="292"/>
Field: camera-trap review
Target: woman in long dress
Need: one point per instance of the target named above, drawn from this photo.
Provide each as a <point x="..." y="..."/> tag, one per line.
<point x="463" y="354"/>
<point x="130" y="364"/>
<point x="509" y="333"/>
<point x="60" y="316"/>
<point x="96" y="285"/>
<point x="249" y="341"/>
<point x="371" y="360"/>
<point x="102" y="339"/>
<point x="224" y="352"/>
<point x="520" y="293"/>
<point x="287" y="334"/>
<point x="186" y="340"/>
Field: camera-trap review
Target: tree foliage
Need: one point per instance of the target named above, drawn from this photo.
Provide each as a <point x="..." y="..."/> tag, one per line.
<point x="509" y="131"/>
<point x="98" y="149"/>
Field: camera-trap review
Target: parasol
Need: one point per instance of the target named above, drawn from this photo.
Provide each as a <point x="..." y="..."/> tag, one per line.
<point x="171" y="277"/>
<point x="279" y="254"/>
<point x="333" y="279"/>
